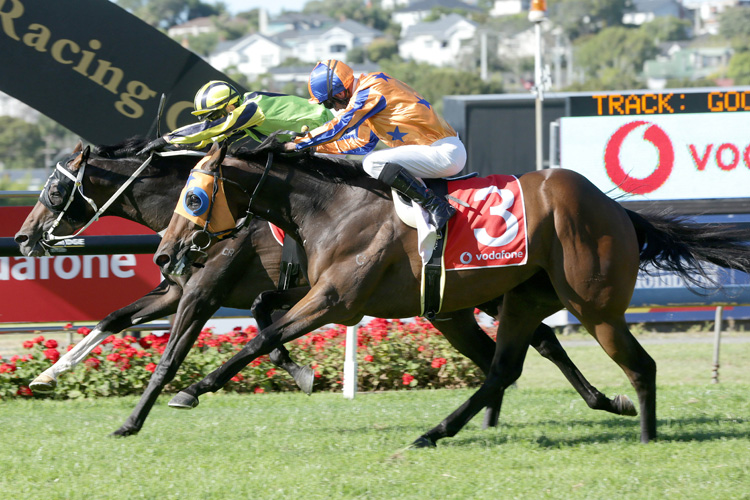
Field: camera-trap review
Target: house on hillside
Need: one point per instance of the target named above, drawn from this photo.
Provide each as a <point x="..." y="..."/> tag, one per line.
<point x="643" y="11"/>
<point x="682" y="62"/>
<point x="418" y="11"/>
<point x="294" y="21"/>
<point x="256" y="54"/>
<point x="194" y="27"/>
<point x="252" y="55"/>
<point x="509" y="7"/>
<point x="707" y="13"/>
<point x="332" y="42"/>
<point x="441" y="42"/>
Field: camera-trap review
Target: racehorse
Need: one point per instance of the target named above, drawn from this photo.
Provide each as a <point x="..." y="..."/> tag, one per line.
<point x="235" y="282"/>
<point x="362" y="260"/>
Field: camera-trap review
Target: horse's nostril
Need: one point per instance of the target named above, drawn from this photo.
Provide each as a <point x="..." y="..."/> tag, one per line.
<point x="21" y="238"/>
<point x="161" y="260"/>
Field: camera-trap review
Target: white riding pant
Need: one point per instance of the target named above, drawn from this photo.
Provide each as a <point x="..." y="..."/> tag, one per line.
<point x="442" y="158"/>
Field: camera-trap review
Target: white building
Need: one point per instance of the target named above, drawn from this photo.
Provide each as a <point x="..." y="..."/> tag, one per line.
<point x="417" y="11"/>
<point x="509" y="7"/>
<point x="252" y="55"/>
<point x="441" y="42"/>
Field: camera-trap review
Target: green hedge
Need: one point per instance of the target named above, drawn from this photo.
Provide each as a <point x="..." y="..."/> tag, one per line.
<point x="391" y="355"/>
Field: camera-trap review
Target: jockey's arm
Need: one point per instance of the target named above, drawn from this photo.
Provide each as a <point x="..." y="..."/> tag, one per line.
<point x="201" y="134"/>
<point x="363" y="105"/>
<point x="359" y="141"/>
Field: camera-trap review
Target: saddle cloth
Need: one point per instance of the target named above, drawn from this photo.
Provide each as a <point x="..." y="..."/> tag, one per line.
<point x="489" y="229"/>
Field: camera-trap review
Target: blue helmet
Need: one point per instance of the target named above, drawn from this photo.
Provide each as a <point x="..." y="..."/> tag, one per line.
<point x="328" y="78"/>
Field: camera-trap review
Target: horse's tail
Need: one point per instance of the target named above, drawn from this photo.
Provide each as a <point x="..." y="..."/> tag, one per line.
<point x="671" y="243"/>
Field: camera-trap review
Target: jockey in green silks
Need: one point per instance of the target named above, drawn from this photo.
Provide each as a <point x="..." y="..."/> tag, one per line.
<point x="226" y="115"/>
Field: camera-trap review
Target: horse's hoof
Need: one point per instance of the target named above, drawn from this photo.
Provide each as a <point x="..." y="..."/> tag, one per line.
<point x="124" y="432"/>
<point x="624" y="405"/>
<point x="183" y="401"/>
<point x="305" y="379"/>
<point x="423" y="442"/>
<point x="43" y="384"/>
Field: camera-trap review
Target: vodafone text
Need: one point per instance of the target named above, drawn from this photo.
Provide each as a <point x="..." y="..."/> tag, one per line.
<point x="67" y="267"/>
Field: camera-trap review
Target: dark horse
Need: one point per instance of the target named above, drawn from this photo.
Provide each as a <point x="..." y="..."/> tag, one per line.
<point x="583" y="254"/>
<point x="233" y="282"/>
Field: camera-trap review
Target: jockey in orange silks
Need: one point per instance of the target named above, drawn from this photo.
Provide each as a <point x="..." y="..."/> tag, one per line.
<point x="375" y="107"/>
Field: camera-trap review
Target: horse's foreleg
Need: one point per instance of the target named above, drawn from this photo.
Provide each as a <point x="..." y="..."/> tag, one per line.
<point x="517" y="320"/>
<point x="262" y="310"/>
<point x="546" y="343"/>
<point x="160" y="302"/>
<point x="190" y="318"/>
<point x="461" y="330"/>
<point x="313" y="311"/>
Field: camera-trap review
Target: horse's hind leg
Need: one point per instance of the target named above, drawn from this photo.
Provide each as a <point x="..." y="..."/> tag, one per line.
<point x="273" y="304"/>
<point x="617" y="341"/>
<point x="546" y="344"/>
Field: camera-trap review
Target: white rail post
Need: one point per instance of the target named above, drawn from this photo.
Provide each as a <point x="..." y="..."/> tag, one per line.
<point x="537" y="14"/>
<point x="717" y="343"/>
<point x="350" y="362"/>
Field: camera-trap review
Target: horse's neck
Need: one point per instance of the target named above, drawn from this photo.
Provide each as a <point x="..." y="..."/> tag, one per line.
<point x="149" y="200"/>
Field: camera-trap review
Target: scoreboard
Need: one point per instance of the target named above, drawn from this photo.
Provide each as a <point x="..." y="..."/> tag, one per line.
<point x="660" y="103"/>
<point x="672" y="145"/>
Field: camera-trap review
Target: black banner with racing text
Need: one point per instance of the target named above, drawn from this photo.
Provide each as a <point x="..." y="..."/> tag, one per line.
<point x="96" y="69"/>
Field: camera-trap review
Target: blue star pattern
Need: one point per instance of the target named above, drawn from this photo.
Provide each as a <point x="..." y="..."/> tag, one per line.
<point x="422" y="100"/>
<point x="383" y="76"/>
<point x="397" y="135"/>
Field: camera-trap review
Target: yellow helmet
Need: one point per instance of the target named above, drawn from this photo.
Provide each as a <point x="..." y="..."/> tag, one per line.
<point x="214" y="96"/>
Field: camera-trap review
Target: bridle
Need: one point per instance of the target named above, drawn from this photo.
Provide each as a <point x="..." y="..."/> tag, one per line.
<point x="201" y="240"/>
<point x="49" y="239"/>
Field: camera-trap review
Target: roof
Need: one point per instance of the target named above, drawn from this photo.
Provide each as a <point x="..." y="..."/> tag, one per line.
<point x="353" y="27"/>
<point x="439" y="28"/>
<point x="240" y="43"/>
<point x="421" y="5"/>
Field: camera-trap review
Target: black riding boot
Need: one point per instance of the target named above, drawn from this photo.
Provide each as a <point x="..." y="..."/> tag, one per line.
<point x="405" y="183"/>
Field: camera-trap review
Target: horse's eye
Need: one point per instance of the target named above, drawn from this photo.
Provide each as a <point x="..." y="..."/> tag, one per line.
<point x="193" y="202"/>
<point x="56" y="194"/>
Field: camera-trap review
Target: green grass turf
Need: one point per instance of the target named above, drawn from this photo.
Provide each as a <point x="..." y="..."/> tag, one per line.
<point x="278" y="446"/>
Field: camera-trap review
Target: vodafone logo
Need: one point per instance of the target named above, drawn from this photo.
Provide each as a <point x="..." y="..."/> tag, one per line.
<point x="656" y="136"/>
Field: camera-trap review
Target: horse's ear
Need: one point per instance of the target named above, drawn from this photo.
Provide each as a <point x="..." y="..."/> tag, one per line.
<point x="79" y="147"/>
<point x="216" y="156"/>
<point x="76" y="163"/>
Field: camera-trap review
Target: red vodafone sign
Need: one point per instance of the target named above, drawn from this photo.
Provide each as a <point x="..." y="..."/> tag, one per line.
<point x="661" y="157"/>
<point x="71" y="287"/>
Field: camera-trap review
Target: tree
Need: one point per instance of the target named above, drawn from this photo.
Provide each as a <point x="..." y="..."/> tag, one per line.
<point x="433" y="83"/>
<point x="167" y="13"/>
<point x="585" y="17"/>
<point x="739" y="68"/>
<point x="667" y="29"/>
<point x="734" y="25"/>
<point x="382" y="48"/>
<point x="21" y="143"/>
<point x="368" y="14"/>
<point x="613" y="59"/>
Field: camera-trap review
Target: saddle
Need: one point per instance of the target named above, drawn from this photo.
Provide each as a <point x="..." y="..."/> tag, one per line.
<point x="433" y="273"/>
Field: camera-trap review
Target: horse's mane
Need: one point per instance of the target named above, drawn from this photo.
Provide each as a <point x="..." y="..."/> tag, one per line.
<point x="340" y="170"/>
<point x="125" y="149"/>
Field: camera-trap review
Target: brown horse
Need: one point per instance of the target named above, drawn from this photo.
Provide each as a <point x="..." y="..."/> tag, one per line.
<point x="362" y="260"/>
<point x="233" y="282"/>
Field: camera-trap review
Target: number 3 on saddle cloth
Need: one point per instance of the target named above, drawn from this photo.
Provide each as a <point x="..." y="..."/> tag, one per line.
<point x="489" y="230"/>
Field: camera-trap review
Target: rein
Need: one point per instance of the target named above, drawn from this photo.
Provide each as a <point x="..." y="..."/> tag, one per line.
<point x="49" y="239"/>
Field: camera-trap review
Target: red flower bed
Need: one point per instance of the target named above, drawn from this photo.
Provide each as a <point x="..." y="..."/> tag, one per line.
<point x="392" y="355"/>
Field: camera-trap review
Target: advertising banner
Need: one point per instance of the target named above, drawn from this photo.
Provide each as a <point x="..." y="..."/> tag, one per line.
<point x="96" y="69"/>
<point x="661" y="156"/>
<point x="72" y="287"/>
